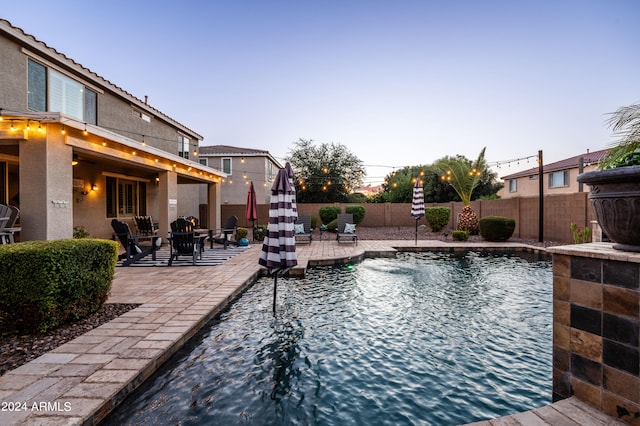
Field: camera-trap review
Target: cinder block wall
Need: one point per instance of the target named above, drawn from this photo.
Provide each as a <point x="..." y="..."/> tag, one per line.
<point x="560" y="211"/>
<point x="596" y="323"/>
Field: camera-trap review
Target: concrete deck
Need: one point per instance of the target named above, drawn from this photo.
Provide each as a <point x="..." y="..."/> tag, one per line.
<point x="80" y="382"/>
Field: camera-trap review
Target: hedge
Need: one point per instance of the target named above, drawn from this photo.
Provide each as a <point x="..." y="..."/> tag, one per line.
<point x="44" y="284"/>
<point x="437" y="217"/>
<point x="496" y="228"/>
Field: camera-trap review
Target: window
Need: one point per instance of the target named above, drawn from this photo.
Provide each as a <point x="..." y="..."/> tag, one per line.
<point x="203" y="161"/>
<point x="513" y="185"/>
<point x="125" y="198"/>
<point x="183" y="146"/>
<point x="559" y="179"/>
<point x="37" y="91"/>
<point x="61" y="93"/>
<point x="141" y="115"/>
<point x="226" y="165"/>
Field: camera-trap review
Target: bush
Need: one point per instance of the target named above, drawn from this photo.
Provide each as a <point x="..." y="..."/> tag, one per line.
<point x="357" y="212"/>
<point x="496" y="228"/>
<point x="333" y="225"/>
<point x="329" y="213"/>
<point x="259" y="232"/>
<point x="459" y="235"/>
<point x="437" y="217"/>
<point x="44" y="284"/>
<point x="314" y="222"/>
<point x="241" y="233"/>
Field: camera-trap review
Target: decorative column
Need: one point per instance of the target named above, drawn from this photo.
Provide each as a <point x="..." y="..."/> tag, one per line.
<point x="167" y="202"/>
<point x="596" y="328"/>
<point x="46" y="187"/>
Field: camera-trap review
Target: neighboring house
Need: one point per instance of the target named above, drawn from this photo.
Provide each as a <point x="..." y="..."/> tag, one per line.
<point x="558" y="177"/>
<point x="242" y="166"/>
<point x="77" y="150"/>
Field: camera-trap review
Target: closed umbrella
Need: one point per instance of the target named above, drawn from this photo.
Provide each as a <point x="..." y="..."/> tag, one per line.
<point x="417" y="204"/>
<point x="251" y="212"/>
<point x="279" y="247"/>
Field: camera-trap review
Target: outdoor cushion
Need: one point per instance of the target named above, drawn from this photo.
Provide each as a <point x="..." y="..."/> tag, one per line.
<point x="299" y="227"/>
<point x="349" y="228"/>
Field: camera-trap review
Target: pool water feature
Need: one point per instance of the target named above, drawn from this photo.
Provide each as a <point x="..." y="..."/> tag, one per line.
<point x="427" y="338"/>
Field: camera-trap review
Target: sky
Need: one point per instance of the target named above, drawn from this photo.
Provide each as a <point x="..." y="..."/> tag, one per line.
<point x="398" y="83"/>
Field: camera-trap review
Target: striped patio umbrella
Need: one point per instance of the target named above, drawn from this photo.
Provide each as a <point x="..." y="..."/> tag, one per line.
<point x="417" y="204"/>
<point x="278" y="253"/>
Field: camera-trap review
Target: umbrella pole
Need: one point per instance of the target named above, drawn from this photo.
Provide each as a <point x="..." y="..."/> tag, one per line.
<point x="416" y="231"/>
<point x="275" y="286"/>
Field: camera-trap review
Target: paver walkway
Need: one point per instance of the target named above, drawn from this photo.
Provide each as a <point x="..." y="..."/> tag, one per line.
<point x="83" y="380"/>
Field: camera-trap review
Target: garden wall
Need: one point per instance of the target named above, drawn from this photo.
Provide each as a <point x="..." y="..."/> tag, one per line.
<point x="560" y="211"/>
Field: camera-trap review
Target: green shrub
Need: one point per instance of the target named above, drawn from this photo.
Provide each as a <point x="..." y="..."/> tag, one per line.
<point x="314" y="222"/>
<point x="357" y="212"/>
<point x="329" y="213"/>
<point x="496" y="228"/>
<point x="580" y="236"/>
<point x="437" y="217"/>
<point x="44" y="284"/>
<point x="333" y="225"/>
<point x="459" y="235"/>
<point x="241" y="233"/>
<point x="80" y="232"/>
<point x="259" y="232"/>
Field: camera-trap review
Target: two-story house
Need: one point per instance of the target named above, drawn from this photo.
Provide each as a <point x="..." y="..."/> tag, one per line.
<point x="558" y="178"/>
<point x="77" y="150"/>
<point x="242" y="166"/>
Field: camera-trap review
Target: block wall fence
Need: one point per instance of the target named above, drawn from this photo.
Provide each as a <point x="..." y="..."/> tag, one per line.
<point x="560" y="211"/>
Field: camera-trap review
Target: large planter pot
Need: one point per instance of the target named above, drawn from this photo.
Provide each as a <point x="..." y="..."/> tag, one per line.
<point x="615" y="196"/>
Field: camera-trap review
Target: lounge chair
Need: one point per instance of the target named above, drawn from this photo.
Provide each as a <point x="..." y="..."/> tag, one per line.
<point x="229" y="230"/>
<point x="133" y="250"/>
<point x="145" y="225"/>
<point x="303" y="228"/>
<point x="8" y="218"/>
<point x="184" y="241"/>
<point x="346" y="228"/>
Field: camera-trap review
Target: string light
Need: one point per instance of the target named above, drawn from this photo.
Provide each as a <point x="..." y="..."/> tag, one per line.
<point x="85" y="130"/>
<point x="63" y="131"/>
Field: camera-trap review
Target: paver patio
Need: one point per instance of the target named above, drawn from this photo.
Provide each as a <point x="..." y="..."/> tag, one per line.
<point x="83" y="380"/>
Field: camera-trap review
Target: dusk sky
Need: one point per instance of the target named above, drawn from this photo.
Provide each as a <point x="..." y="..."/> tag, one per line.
<point x="397" y="82"/>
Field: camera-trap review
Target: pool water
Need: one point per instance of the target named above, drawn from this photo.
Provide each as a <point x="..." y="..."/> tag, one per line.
<point x="427" y="338"/>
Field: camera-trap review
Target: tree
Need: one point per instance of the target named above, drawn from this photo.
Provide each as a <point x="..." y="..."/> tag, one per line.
<point x="398" y="185"/>
<point x="325" y="172"/>
<point x="464" y="178"/>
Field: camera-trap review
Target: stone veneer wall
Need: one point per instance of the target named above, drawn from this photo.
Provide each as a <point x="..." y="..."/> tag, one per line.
<point x="596" y="316"/>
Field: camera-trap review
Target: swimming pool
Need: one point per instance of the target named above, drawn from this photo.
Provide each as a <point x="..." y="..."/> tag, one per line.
<point x="427" y="338"/>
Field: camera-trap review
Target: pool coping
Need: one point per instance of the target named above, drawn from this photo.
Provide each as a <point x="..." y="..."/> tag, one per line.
<point x="82" y="381"/>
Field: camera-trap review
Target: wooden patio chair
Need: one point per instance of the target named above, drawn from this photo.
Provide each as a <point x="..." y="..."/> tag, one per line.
<point x="346" y="228"/>
<point x="145" y="225"/>
<point x="303" y="228"/>
<point x="228" y="232"/>
<point x="184" y="241"/>
<point x="130" y="242"/>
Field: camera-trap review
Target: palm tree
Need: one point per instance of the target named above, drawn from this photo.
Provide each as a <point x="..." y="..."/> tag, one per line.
<point x="463" y="178"/>
<point x="625" y="123"/>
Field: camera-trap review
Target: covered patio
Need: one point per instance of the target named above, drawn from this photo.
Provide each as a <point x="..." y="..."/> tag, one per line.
<point x="63" y="173"/>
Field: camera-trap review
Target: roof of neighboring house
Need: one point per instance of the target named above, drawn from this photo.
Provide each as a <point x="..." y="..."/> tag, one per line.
<point x="231" y="150"/>
<point x="234" y="151"/>
<point x="41" y="47"/>
<point x="568" y="163"/>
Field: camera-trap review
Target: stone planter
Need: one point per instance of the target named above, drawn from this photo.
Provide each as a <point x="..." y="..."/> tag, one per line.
<point x="615" y="196"/>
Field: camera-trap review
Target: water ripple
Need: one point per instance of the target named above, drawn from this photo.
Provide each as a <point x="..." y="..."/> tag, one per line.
<point x="423" y="339"/>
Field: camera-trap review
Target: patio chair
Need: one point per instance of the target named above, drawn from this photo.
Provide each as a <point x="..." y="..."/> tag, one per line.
<point x="346" y="228"/>
<point x="228" y="231"/>
<point x="303" y="228"/>
<point x="130" y="242"/>
<point x="5" y="218"/>
<point x="184" y="241"/>
<point x="145" y="225"/>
